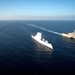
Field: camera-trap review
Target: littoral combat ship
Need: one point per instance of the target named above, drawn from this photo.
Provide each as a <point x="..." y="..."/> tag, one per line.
<point x="38" y="38"/>
<point x="69" y="35"/>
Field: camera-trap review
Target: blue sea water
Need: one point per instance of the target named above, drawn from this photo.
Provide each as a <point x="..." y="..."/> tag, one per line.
<point x="20" y="54"/>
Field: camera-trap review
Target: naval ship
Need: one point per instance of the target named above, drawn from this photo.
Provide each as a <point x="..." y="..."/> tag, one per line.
<point x="69" y="35"/>
<point x="38" y="38"/>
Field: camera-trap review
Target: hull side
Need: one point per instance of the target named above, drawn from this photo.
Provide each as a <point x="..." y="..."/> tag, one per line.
<point x="67" y="35"/>
<point x="43" y="43"/>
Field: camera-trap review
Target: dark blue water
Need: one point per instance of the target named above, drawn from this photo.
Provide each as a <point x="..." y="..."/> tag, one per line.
<point x="20" y="54"/>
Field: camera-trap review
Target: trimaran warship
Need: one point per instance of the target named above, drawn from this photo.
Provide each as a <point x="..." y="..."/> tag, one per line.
<point x="69" y="35"/>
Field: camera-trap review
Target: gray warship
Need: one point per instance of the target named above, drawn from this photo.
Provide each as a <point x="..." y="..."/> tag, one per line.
<point x="69" y="35"/>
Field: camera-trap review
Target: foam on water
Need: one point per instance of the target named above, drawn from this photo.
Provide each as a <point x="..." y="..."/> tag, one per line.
<point x="32" y="25"/>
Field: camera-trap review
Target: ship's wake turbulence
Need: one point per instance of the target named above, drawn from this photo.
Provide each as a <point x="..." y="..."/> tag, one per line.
<point x="44" y="29"/>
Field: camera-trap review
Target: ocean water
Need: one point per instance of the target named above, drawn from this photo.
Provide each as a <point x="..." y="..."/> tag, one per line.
<point x="20" y="54"/>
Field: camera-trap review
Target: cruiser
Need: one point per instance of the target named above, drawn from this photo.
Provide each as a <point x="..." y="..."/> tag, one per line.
<point x="38" y="38"/>
<point x="69" y="35"/>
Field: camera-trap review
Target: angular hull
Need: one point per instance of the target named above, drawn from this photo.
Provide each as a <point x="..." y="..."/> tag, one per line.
<point x="68" y="36"/>
<point x="42" y="42"/>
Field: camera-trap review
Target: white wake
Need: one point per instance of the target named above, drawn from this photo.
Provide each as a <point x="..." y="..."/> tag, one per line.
<point x="32" y="25"/>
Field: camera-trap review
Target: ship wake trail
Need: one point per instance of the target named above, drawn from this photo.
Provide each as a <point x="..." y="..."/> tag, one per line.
<point x="45" y="29"/>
